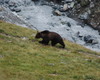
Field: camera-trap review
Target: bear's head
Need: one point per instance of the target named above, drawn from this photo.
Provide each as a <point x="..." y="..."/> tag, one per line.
<point x="38" y="35"/>
<point x="42" y="34"/>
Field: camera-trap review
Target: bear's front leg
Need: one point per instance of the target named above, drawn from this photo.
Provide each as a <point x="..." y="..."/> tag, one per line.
<point x="41" y="42"/>
<point x="44" y="41"/>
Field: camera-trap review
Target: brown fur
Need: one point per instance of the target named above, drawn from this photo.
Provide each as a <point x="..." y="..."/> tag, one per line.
<point x="50" y="36"/>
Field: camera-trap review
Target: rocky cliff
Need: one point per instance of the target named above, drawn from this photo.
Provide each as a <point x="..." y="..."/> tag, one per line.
<point x="90" y="8"/>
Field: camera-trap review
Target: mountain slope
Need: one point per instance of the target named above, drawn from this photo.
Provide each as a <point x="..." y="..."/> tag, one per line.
<point x="23" y="58"/>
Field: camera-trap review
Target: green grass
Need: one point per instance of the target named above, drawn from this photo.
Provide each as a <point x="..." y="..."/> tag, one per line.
<point x="26" y="59"/>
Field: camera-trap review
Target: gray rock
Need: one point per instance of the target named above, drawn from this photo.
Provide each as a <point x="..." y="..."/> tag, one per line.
<point x="57" y="12"/>
<point x="84" y="16"/>
<point x="20" y="2"/>
<point x="15" y="9"/>
<point x="68" y="23"/>
<point x="71" y="5"/>
<point x="65" y="7"/>
<point x="90" y="39"/>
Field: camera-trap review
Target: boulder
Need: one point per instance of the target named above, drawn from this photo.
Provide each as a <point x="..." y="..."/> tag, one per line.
<point x="83" y="3"/>
<point x="90" y="39"/>
<point x="57" y="12"/>
<point x="65" y="7"/>
<point x="88" y="11"/>
<point x="15" y="9"/>
<point x="94" y="20"/>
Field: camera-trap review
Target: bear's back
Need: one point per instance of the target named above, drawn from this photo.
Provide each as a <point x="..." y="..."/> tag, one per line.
<point x="54" y="35"/>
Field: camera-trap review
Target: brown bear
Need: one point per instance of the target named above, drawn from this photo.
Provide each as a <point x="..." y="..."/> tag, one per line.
<point x="50" y="36"/>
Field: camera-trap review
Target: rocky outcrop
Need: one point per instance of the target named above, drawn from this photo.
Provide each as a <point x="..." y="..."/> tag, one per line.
<point x="90" y="39"/>
<point x="89" y="12"/>
<point x="8" y="16"/>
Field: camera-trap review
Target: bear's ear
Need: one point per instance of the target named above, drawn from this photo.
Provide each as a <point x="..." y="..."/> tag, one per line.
<point x="38" y="35"/>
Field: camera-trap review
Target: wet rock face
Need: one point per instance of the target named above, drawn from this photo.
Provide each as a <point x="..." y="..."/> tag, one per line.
<point x="14" y="7"/>
<point x="86" y="10"/>
<point x="89" y="10"/>
<point x="94" y="20"/>
<point x="83" y="2"/>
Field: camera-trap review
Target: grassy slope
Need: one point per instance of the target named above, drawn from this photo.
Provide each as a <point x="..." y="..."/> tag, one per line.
<point x="26" y="59"/>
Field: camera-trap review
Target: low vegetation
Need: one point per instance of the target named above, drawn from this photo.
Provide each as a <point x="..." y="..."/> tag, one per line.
<point x="23" y="58"/>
